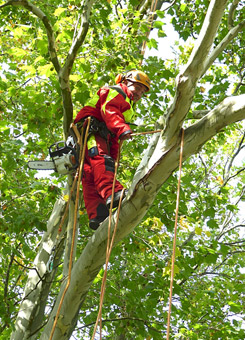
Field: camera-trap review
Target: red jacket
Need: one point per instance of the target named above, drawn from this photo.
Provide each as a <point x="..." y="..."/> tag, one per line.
<point x="109" y="105"/>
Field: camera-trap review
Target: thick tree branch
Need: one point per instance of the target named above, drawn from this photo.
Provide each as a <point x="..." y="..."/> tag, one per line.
<point x="141" y="196"/>
<point x="231" y="110"/>
<point x="197" y="114"/>
<point x="192" y="71"/>
<point x="66" y="69"/>
<point x="37" y="288"/>
<point x="206" y="38"/>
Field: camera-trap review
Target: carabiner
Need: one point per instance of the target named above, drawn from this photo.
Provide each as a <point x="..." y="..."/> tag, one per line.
<point x="50" y="263"/>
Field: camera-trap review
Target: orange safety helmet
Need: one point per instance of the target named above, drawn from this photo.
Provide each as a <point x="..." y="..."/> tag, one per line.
<point x="135" y="76"/>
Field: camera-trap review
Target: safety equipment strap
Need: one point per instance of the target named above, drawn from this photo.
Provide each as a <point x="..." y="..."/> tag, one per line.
<point x="119" y="90"/>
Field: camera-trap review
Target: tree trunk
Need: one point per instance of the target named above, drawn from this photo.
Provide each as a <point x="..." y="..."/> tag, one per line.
<point x="160" y="165"/>
<point x="30" y="316"/>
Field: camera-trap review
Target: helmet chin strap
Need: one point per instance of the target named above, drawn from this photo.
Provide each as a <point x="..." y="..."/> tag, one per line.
<point x="129" y="83"/>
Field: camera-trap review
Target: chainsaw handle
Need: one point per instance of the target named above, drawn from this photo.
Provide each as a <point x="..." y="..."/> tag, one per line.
<point x="56" y="150"/>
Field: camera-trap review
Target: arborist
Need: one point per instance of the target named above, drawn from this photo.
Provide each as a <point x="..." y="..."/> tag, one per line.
<point x="111" y="109"/>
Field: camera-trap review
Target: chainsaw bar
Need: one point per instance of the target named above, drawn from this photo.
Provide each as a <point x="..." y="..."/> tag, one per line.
<point x="41" y="165"/>
<point x="64" y="157"/>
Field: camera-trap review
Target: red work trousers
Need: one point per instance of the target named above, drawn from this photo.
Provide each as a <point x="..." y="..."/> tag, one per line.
<point x="97" y="180"/>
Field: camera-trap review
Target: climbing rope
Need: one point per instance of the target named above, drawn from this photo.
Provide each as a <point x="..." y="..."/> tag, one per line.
<point x="109" y="245"/>
<point x="175" y="233"/>
<point x="144" y="133"/>
<point x="81" y="158"/>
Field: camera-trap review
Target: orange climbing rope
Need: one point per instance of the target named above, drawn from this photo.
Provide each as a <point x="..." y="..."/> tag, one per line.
<point x="145" y="133"/>
<point x="109" y="244"/>
<point x="175" y="233"/>
<point x="81" y="159"/>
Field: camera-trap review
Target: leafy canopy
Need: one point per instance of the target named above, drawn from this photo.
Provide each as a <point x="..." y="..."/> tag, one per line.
<point x="208" y="291"/>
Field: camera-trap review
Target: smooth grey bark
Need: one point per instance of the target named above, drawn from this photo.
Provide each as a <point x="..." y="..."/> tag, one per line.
<point x="30" y="316"/>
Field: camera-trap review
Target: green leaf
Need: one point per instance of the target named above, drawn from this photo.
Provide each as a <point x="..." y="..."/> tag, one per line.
<point x="59" y="11"/>
<point x="152" y="43"/>
<point x="234" y="307"/>
<point x="158" y="24"/>
<point x="167" y="74"/>
<point x="46" y="70"/>
<point x="198" y="231"/>
<point x="212" y="224"/>
<point x="161" y="34"/>
<point x="160" y="14"/>
<point x="183" y="7"/>
<point x="209" y="212"/>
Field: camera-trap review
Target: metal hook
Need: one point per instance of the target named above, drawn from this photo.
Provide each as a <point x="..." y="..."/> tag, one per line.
<point x="50" y="263"/>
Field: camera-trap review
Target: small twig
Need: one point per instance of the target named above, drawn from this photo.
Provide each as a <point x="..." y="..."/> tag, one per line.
<point x="29" y="268"/>
<point x="122" y="319"/>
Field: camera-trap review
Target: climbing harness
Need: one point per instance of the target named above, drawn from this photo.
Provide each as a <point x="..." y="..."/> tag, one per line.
<point x="109" y="243"/>
<point x="96" y="126"/>
<point x="175" y="233"/>
<point x="81" y="159"/>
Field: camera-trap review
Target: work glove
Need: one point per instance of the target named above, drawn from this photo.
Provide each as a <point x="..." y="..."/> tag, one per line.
<point x="126" y="135"/>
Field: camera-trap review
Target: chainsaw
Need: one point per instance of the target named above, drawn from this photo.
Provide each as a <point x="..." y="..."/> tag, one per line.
<point x="64" y="157"/>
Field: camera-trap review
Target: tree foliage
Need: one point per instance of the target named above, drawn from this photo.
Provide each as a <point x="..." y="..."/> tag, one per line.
<point x="54" y="56"/>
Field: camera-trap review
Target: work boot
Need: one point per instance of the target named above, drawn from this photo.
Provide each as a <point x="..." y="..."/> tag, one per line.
<point x="102" y="214"/>
<point x="116" y="199"/>
<point x="94" y="223"/>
